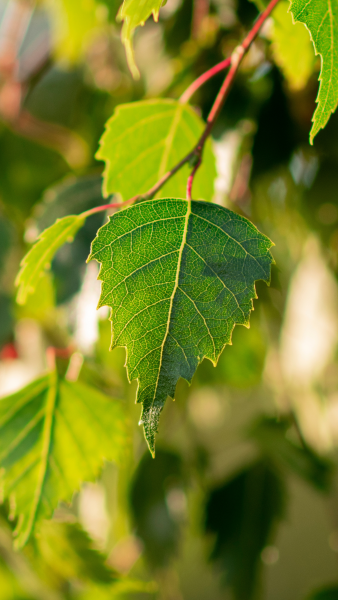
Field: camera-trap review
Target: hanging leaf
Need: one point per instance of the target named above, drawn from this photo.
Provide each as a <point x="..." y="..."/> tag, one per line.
<point x="321" y="19"/>
<point x="178" y="276"/>
<point x="40" y="256"/>
<point x="144" y="140"/>
<point x="135" y="13"/>
<point x="53" y="436"/>
<point x="243" y="514"/>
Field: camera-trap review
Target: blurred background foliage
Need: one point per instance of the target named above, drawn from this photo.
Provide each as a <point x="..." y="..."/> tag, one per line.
<point x="241" y="501"/>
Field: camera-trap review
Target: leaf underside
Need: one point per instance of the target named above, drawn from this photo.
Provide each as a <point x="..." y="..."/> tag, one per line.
<point x="144" y="140"/>
<point x="178" y="276"/>
<point x="53" y="436"/>
<point x="135" y="13"/>
<point x="321" y="19"/>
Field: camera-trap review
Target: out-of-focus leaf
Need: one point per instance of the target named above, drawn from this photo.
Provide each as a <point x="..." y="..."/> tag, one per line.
<point x="70" y="553"/>
<point x="154" y="522"/>
<point x="178" y="277"/>
<point x="272" y="437"/>
<point x="75" y="24"/>
<point x="53" y="436"/>
<point x="242" y="514"/>
<point x="6" y="239"/>
<point x="144" y="140"/>
<point x="135" y="13"/>
<point x="291" y="47"/>
<point x="321" y="19"/>
<point x="40" y="256"/>
<point x="328" y="593"/>
<point x="6" y="318"/>
<point x="121" y="590"/>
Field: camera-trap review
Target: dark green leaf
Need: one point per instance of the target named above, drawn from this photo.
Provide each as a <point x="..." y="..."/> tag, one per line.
<point x="329" y="593"/>
<point x="154" y="523"/>
<point x="272" y="437"/>
<point x="243" y="514"/>
<point x="178" y="276"/>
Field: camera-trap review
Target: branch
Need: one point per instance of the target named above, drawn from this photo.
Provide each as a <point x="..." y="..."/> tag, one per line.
<point x="195" y="156"/>
<point x="189" y="92"/>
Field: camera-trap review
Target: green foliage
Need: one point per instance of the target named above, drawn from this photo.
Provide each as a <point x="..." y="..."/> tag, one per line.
<point x="135" y="13"/>
<point x="291" y="47"/>
<point x="275" y="439"/>
<point x="321" y="19"/>
<point x="39" y="257"/>
<point x="189" y="279"/>
<point x="329" y="593"/>
<point x="69" y="552"/>
<point x="146" y="139"/>
<point x="243" y="514"/>
<point x="53" y="436"/>
<point x="155" y="525"/>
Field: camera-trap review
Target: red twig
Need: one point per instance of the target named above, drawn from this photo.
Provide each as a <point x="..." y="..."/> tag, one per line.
<point x="196" y="153"/>
<point x="236" y="59"/>
<point x="189" y="92"/>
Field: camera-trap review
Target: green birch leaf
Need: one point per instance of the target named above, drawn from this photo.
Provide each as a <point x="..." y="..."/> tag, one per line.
<point x="53" y="436"/>
<point x="143" y="140"/>
<point x="291" y="47"/>
<point x="178" y="276"/>
<point x="39" y="258"/>
<point x="135" y="13"/>
<point x="321" y="19"/>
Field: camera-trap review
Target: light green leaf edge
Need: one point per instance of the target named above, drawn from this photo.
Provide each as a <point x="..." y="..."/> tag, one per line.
<point x="321" y="19"/>
<point x="141" y="278"/>
<point x="38" y="259"/>
<point x="54" y="479"/>
<point x="135" y="13"/>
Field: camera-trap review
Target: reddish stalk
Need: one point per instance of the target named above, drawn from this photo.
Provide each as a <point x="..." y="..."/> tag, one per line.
<point x="196" y="153"/>
<point x="236" y="59"/>
<point x="189" y="92"/>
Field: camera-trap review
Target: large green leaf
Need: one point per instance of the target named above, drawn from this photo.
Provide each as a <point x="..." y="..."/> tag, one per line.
<point x="135" y="13"/>
<point x="178" y="276"/>
<point x="321" y="19"/>
<point x="143" y="140"/>
<point x="243" y="514"/>
<point x="53" y="436"/>
<point x="39" y="257"/>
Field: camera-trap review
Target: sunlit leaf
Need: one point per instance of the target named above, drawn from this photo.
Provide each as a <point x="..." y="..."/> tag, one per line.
<point x="178" y="276"/>
<point x="135" y="13"/>
<point x="291" y="47"/>
<point x="321" y="19"/>
<point x="243" y="514"/>
<point x="39" y="257"/>
<point x="144" y="140"/>
<point x="53" y="436"/>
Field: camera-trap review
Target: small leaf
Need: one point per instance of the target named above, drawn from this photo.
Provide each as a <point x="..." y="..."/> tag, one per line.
<point x="321" y="19"/>
<point x="53" y="436"/>
<point x="291" y="47"/>
<point x="144" y="140"/>
<point x="243" y="514"/>
<point x="40" y="256"/>
<point x="135" y="13"/>
<point x="178" y="276"/>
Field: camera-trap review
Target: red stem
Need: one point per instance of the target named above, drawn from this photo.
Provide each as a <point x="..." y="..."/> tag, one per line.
<point x="236" y="59"/>
<point x="189" y="92"/>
